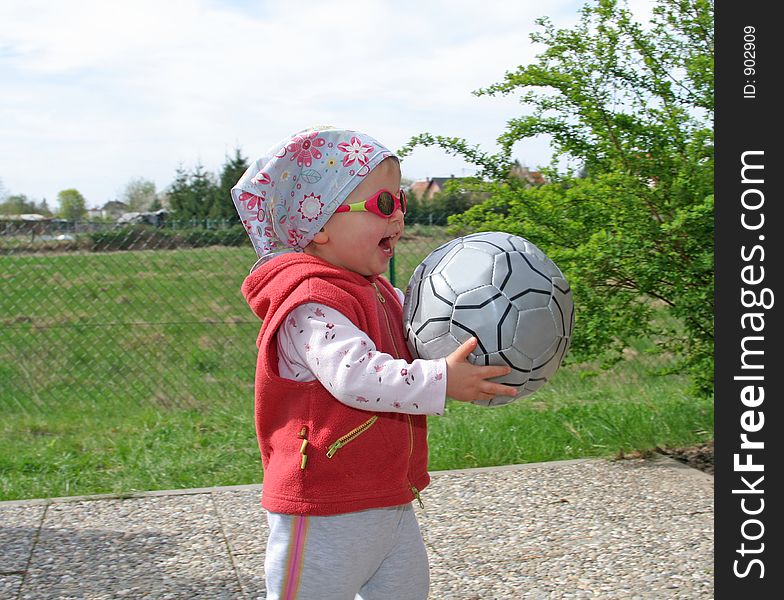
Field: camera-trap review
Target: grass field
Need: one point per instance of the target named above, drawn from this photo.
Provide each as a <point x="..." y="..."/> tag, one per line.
<point x="133" y="371"/>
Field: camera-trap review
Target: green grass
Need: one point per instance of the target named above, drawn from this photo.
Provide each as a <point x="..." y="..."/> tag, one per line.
<point x="133" y="371"/>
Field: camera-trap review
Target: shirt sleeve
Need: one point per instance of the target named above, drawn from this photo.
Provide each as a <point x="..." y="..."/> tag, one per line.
<point x="318" y="342"/>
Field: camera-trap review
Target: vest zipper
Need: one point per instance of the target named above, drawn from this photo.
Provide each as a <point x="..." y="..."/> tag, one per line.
<point x="417" y="496"/>
<point x="381" y="298"/>
<point x="386" y="318"/>
<point x="413" y="488"/>
<point x="350" y="436"/>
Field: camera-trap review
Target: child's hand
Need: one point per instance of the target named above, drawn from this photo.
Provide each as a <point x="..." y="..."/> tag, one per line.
<point x="466" y="382"/>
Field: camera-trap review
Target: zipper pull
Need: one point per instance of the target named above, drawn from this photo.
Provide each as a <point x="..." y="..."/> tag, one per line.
<point x="378" y="293"/>
<point x="303" y="435"/>
<point x="334" y="448"/>
<point x="418" y="497"/>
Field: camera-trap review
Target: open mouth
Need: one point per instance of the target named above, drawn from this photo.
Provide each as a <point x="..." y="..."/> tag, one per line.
<point x="387" y="245"/>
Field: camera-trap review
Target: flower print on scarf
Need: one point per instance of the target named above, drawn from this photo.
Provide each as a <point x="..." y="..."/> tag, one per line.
<point x="253" y="200"/>
<point x="310" y="207"/>
<point x="294" y="237"/>
<point x="332" y="164"/>
<point x="303" y="163"/>
<point x="262" y="179"/>
<point x="355" y="151"/>
<point x="304" y="148"/>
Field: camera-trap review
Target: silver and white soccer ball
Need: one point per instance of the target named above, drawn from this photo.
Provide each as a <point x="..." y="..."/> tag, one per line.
<point x="501" y="289"/>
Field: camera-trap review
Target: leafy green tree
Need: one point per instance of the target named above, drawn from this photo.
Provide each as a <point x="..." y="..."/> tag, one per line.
<point x="139" y="194"/>
<point x="17" y="204"/>
<point x="632" y="227"/>
<point x="72" y="204"/>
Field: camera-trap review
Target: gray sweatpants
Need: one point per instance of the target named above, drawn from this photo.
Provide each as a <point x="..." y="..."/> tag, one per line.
<point x="373" y="554"/>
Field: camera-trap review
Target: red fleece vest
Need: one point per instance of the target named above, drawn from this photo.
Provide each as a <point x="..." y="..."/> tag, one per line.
<point x="321" y="457"/>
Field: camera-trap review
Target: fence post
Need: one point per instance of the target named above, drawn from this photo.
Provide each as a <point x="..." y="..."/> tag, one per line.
<point x="392" y="270"/>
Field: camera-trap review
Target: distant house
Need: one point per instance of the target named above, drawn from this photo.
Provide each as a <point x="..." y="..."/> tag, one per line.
<point x="425" y="189"/>
<point x="113" y="209"/>
<point x="534" y="178"/>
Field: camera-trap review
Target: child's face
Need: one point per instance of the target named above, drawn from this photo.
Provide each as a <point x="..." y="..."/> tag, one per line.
<point x="362" y="241"/>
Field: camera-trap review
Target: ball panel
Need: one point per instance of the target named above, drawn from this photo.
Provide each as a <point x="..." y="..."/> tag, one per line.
<point x="562" y="306"/>
<point x="439" y="347"/>
<point x="431" y="329"/>
<point x="476" y="309"/>
<point x="535" y="331"/>
<point x="440" y="257"/>
<point x="546" y="364"/>
<point x="533" y="385"/>
<point x="469" y="272"/>
<point x="428" y="298"/>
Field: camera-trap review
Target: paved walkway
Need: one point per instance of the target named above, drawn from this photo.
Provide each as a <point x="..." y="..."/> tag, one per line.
<point x="573" y="529"/>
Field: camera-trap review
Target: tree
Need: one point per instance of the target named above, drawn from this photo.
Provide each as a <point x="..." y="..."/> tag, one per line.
<point x="17" y="204"/>
<point x="42" y="208"/>
<point x="203" y="190"/>
<point x="632" y="227"/>
<point x="72" y="204"/>
<point x="233" y="169"/>
<point x="139" y="194"/>
<point x="192" y="194"/>
<point x="197" y="194"/>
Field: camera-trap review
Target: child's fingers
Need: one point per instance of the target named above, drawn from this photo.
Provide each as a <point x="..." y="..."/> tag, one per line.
<point x="464" y="349"/>
<point x="493" y="371"/>
<point x="497" y="389"/>
<point x="493" y="388"/>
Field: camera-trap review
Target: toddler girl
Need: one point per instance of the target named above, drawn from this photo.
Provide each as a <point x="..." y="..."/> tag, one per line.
<point x="340" y="406"/>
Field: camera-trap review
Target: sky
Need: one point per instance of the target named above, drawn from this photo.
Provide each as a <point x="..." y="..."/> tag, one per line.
<point x="97" y="93"/>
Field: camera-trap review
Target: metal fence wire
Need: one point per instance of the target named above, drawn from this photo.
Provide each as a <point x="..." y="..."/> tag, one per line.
<point x="98" y="316"/>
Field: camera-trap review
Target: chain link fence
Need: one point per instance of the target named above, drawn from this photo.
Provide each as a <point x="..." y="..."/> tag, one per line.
<point x="95" y="316"/>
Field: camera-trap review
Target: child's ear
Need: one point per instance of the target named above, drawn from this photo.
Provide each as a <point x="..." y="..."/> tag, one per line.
<point x="322" y="237"/>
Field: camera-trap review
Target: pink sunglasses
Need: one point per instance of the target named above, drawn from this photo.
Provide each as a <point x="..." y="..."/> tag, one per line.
<point x="383" y="204"/>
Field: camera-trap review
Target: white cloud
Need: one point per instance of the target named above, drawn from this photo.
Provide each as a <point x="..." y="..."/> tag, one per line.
<point x="96" y="93"/>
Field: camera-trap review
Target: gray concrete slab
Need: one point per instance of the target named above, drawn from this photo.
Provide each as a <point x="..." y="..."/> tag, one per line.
<point x="574" y="529"/>
<point x="19" y="525"/>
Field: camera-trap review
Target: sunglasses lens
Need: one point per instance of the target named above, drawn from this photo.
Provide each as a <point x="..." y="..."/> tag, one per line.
<point x="403" y="201"/>
<point x="386" y="203"/>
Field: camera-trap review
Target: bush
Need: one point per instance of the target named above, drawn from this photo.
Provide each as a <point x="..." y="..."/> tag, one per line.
<point x="146" y="237"/>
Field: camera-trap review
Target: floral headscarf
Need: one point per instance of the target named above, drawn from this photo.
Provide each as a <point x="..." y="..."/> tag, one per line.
<point x="285" y="197"/>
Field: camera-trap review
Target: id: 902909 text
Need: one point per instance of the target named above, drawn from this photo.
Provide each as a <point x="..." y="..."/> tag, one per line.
<point x="750" y="61"/>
